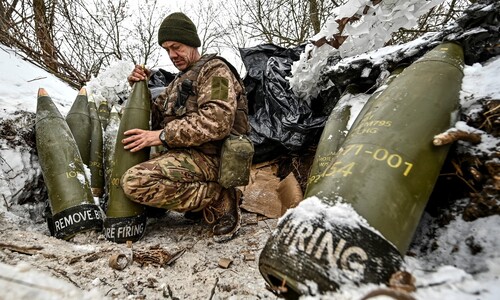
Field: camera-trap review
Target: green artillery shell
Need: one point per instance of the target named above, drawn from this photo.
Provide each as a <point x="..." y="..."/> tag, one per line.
<point x="126" y="220"/>
<point x="71" y="201"/>
<point x="332" y="137"/>
<point x="96" y="165"/>
<point x="109" y="144"/>
<point x="78" y="120"/>
<point x="103" y="112"/>
<point x="385" y="171"/>
<point x="109" y="150"/>
<point x="375" y="95"/>
<point x="335" y="130"/>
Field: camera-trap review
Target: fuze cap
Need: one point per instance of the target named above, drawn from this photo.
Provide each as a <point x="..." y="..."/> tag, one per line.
<point x="178" y="27"/>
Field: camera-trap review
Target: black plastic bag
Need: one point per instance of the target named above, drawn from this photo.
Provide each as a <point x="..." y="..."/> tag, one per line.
<point x="158" y="80"/>
<point x="279" y="119"/>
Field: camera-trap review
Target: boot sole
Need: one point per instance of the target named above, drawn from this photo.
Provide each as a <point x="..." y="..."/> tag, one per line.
<point x="228" y="236"/>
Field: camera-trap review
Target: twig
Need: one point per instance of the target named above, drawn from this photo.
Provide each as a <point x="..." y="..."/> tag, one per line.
<point x="265" y="222"/>
<point x="23" y="250"/>
<point x="6" y="203"/>
<point x="461" y="178"/>
<point x="492" y="110"/>
<point x="130" y="290"/>
<point x="38" y="78"/>
<point x="212" y="292"/>
<point x="452" y="136"/>
<point x="169" y="293"/>
<point x="192" y="246"/>
<point x="278" y="289"/>
<point x="89" y="257"/>
<point x="63" y="273"/>
<point x="457" y="167"/>
<point x="109" y="291"/>
<point x="15" y="194"/>
<point x="487" y="120"/>
<point x="4" y="161"/>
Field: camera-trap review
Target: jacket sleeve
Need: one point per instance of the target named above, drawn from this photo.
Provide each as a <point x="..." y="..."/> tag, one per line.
<point x="216" y="100"/>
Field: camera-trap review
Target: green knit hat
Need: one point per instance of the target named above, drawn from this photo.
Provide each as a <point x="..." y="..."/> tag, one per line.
<point x="178" y="27"/>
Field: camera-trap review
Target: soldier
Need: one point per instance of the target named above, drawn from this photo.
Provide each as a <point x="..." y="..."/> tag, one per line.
<point x="191" y="118"/>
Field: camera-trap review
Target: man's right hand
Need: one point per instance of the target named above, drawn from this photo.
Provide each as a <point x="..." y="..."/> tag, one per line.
<point x="139" y="73"/>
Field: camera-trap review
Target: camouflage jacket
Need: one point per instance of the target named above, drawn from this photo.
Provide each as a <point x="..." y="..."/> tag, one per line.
<point x="209" y="113"/>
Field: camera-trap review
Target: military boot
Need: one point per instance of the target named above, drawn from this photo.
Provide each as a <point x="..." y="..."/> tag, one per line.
<point x="224" y="213"/>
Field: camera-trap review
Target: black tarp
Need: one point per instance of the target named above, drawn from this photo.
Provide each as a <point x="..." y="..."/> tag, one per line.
<point x="158" y="80"/>
<point x="279" y="119"/>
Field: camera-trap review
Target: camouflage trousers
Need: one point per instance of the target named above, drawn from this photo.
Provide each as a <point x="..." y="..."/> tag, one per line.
<point x="180" y="180"/>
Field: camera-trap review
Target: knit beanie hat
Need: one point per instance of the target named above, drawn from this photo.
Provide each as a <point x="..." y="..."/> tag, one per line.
<point x="178" y="27"/>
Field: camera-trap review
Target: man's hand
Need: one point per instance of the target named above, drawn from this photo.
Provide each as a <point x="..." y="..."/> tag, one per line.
<point x="139" y="73"/>
<point x="138" y="139"/>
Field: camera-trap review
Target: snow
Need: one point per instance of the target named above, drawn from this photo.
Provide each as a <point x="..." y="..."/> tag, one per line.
<point x="111" y="84"/>
<point x="21" y="81"/>
<point x="23" y="272"/>
<point x="342" y="213"/>
<point x="374" y="28"/>
<point x="482" y="82"/>
<point x="452" y="271"/>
